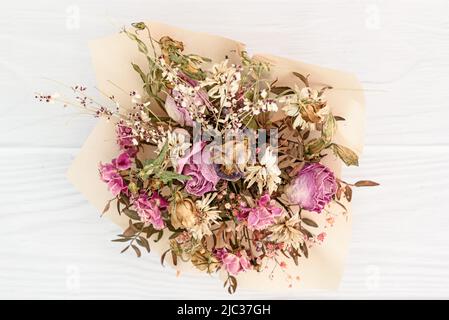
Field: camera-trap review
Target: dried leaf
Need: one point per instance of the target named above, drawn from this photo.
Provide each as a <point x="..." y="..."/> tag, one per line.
<point x="304" y="79"/>
<point x="315" y="146"/>
<point x="131" y="214"/>
<point x="329" y="127"/>
<point x="365" y="183"/>
<point x="137" y="251"/>
<point x="106" y="208"/>
<point x="143" y="242"/>
<point x="126" y="248"/>
<point x="309" y="222"/>
<point x="348" y="193"/>
<point x="163" y="256"/>
<point x="348" y="156"/>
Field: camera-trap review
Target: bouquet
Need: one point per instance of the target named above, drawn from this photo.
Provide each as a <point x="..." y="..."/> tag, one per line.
<point x="217" y="162"/>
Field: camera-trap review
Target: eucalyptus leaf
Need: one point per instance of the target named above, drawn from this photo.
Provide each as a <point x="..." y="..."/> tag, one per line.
<point x="348" y="156"/>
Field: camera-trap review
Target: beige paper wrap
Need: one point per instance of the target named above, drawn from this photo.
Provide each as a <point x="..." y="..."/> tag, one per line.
<point x="112" y="57"/>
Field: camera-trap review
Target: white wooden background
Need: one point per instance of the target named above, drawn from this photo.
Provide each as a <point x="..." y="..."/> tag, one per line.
<point x="54" y="245"/>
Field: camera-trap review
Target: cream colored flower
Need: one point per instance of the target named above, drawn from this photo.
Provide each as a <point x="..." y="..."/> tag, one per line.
<point x="206" y="216"/>
<point x="183" y="214"/>
<point x="306" y="105"/>
<point x="266" y="174"/>
<point x="224" y="82"/>
<point x="178" y="144"/>
<point x="286" y="232"/>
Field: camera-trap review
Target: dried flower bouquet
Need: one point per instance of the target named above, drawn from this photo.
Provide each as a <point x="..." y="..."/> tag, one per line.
<point x="221" y="160"/>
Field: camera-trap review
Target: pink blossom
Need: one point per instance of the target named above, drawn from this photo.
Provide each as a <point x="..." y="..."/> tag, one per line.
<point x="234" y="263"/>
<point x="110" y="174"/>
<point x="116" y="185"/>
<point x="313" y="188"/>
<point x="263" y="215"/>
<point x="124" y="136"/>
<point x="122" y="162"/>
<point x="107" y="171"/>
<point x="149" y="209"/>
<point x="321" y="236"/>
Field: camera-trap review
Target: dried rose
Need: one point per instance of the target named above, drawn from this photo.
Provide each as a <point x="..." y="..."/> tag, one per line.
<point x="313" y="188"/>
<point x="183" y="214"/>
<point x="197" y="165"/>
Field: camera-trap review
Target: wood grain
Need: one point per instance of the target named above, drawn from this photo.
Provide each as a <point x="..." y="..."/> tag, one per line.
<point x="54" y="245"/>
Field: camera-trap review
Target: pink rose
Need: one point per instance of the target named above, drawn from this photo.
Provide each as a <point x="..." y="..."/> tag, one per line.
<point x="149" y="209"/>
<point x="313" y="188"/>
<point x="263" y="215"/>
<point x="197" y="165"/>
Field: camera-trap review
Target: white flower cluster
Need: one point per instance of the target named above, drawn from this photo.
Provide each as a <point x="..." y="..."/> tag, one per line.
<point x="266" y="174"/>
<point x="178" y="143"/>
<point x="296" y="103"/>
<point x="262" y="105"/>
<point x="224" y="83"/>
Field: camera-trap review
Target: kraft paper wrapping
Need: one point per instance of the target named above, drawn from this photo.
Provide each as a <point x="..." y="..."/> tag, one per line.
<point x="112" y="57"/>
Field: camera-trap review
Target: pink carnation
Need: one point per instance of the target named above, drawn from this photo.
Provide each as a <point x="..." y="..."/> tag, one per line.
<point x="263" y="215"/>
<point x="109" y="173"/>
<point x="122" y="162"/>
<point x="149" y="209"/>
<point x="234" y="263"/>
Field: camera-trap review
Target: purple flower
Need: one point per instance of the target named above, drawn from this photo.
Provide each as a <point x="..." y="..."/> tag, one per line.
<point x="313" y="188"/>
<point x="263" y="215"/>
<point x="197" y="165"/>
<point x="149" y="209"/>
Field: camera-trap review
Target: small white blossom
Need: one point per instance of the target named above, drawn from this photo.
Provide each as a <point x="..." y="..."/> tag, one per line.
<point x="266" y="174"/>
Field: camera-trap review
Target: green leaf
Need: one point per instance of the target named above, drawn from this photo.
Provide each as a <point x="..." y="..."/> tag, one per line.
<point x="140" y="72"/>
<point x="139" y="25"/>
<point x="156" y="162"/>
<point x="140" y="44"/>
<point x="348" y="156"/>
<point x="168" y="176"/>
